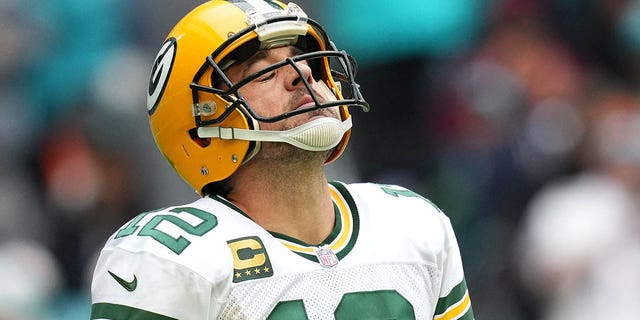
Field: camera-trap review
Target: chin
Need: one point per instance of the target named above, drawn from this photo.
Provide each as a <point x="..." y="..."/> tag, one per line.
<point x="287" y="154"/>
<point x="309" y="116"/>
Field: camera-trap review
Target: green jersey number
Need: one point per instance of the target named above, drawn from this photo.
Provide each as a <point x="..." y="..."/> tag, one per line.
<point x="175" y="244"/>
<point x="373" y="305"/>
<point x="405" y="193"/>
<point x="400" y="192"/>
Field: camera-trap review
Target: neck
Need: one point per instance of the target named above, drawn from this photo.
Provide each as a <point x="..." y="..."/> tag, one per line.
<point x="290" y="198"/>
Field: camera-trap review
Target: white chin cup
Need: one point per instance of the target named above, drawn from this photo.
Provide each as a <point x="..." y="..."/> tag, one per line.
<point x="317" y="135"/>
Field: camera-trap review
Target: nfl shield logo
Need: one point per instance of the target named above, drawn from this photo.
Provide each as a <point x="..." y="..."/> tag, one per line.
<point x="326" y="257"/>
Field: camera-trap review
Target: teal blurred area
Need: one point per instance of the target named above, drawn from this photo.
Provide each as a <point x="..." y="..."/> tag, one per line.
<point x="376" y="29"/>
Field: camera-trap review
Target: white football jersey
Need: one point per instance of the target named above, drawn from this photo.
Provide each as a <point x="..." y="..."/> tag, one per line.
<point x="392" y="255"/>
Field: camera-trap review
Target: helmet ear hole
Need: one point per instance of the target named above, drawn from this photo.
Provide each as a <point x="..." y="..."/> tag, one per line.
<point x="203" y="142"/>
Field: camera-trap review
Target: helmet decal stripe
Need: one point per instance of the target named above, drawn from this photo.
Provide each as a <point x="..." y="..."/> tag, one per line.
<point x="259" y="5"/>
<point x="160" y="73"/>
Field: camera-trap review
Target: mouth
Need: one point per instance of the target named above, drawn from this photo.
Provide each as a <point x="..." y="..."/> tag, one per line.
<point x="306" y="102"/>
<point x="306" y="105"/>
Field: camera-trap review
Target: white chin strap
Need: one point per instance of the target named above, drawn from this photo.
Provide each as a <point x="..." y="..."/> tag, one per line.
<point x="317" y="135"/>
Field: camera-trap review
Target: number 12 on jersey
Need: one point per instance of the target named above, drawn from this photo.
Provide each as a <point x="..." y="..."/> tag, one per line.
<point x="175" y="244"/>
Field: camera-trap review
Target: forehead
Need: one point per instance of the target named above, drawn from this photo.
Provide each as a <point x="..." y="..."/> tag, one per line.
<point x="276" y="54"/>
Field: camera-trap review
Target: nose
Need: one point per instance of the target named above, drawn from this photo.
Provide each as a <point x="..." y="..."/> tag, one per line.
<point x="293" y="77"/>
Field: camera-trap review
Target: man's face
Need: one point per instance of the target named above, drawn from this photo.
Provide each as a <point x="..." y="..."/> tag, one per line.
<point x="281" y="90"/>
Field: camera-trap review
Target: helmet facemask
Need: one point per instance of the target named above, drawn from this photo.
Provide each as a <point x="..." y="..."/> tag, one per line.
<point x="334" y="70"/>
<point x="340" y="86"/>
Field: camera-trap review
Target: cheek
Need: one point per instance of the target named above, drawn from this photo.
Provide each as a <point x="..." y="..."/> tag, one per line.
<point x="335" y="111"/>
<point x="263" y="102"/>
<point x="321" y="88"/>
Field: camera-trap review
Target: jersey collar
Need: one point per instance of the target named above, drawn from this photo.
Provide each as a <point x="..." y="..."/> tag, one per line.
<point x="341" y="239"/>
<point x="345" y="232"/>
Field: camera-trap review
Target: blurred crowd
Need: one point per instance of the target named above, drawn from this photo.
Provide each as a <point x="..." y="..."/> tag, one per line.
<point x="519" y="118"/>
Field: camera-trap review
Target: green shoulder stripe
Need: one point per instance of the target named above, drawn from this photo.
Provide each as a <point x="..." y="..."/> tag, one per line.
<point x="120" y="312"/>
<point x="456" y="305"/>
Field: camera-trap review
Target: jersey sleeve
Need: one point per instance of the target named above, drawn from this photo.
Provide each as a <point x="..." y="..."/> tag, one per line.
<point x="454" y="301"/>
<point x="140" y="285"/>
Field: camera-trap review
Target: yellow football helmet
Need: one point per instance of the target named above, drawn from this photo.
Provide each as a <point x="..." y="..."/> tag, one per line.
<point x="203" y="125"/>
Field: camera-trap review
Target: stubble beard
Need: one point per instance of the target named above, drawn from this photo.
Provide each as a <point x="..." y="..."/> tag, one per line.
<point x="281" y="153"/>
<point x="289" y="155"/>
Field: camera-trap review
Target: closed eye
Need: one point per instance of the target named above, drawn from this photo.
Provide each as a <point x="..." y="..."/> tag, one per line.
<point x="266" y="77"/>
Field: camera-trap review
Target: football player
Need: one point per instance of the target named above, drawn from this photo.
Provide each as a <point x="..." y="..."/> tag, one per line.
<point x="248" y="100"/>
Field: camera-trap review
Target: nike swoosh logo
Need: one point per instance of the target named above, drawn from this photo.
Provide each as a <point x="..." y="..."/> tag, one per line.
<point x="128" y="285"/>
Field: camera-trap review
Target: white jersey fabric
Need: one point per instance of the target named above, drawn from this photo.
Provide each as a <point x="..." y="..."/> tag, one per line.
<point x="392" y="255"/>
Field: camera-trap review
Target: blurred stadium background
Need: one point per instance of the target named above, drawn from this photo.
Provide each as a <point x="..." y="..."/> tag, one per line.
<point x="519" y="118"/>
